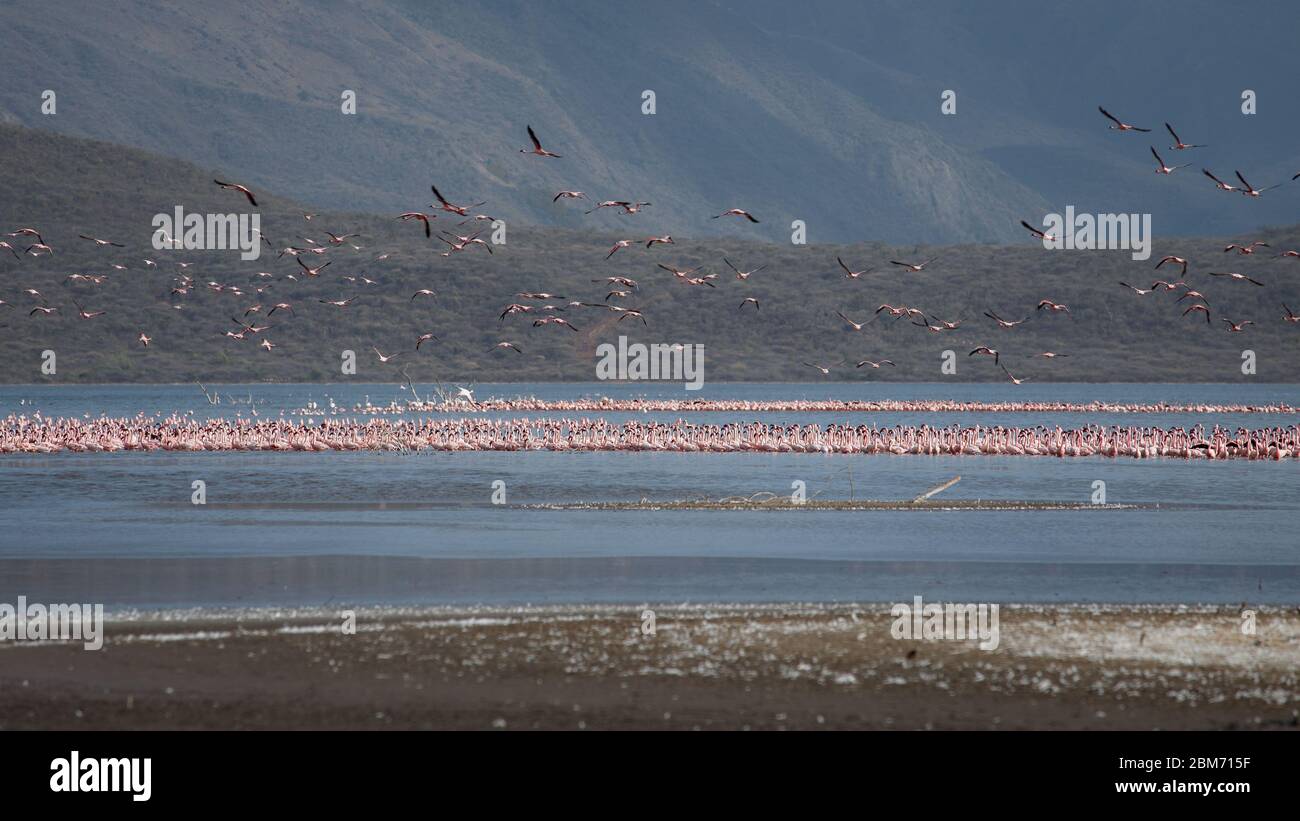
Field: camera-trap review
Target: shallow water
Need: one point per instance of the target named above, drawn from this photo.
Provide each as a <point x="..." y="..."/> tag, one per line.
<point x="304" y="528"/>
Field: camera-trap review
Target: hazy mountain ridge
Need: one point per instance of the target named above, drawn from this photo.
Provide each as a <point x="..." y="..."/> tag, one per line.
<point x="829" y="114"/>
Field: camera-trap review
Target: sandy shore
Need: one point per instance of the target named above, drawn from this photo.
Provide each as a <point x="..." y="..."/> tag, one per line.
<point x="706" y="667"/>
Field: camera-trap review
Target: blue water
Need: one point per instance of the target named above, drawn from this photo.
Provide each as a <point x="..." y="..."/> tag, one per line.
<point x="304" y="528"/>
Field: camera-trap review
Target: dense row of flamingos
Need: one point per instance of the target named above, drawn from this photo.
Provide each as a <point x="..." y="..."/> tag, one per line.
<point x="36" y="434"/>
<point x="641" y="405"/>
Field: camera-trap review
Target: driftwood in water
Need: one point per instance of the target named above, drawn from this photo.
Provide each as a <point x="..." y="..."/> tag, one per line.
<point x="937" y="489"/>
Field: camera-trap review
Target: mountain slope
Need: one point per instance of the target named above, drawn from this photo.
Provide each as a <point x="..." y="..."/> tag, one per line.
<point x="829" y="114"/>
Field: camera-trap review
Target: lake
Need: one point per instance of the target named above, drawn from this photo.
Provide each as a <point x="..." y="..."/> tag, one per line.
<point x="310" y="528"/>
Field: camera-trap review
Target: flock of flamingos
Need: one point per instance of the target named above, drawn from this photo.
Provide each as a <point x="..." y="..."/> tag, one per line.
<point x="21" y="433"/>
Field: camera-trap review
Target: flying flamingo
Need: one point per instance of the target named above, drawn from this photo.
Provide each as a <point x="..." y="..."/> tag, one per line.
<point x="849" y="273"/>
<point x="338" y="303"/>
<point x="1161" y="168"/>
<point x="1004" y="323"/>
<point x="1136" y="290"/>
<point x="742" y="274"/>
<point x="570" y="195"/>
<point x="311" y="272"/>
<point x="876" y="365"/>
<point x="986" y="351"/>
<point x="1237" y="327"/>
<point x="512" y="346"/>
<point x="750" y="299"/>
<point x="382" y="358"/>
<point x="736" y="212"/>
<point x="1249" y="190"/>
<point x="857" y="326"/>
<point x="84" y="314"/>
<point x="101" y="242"/>
<point x="1053" y="307"/>
<point x="537" y="147"/>
<point x="1039" y="234"/>
<point x="1290" y="317"/>
<point x="666" y="239"/>
<point x="26" y="232"/>
<point x="421" y="216"/>
<point x="230" y="186"/>
<point x="913" y="268"/>
<point x="1051" y="355"/>
<point x="1009" y="376"/>
<point x="1220" y="184"/>
<point x="268" y="344"/>
<point x="144" y="340"/>
<point x="1119" y="126"/>
<point x="1247" y="249"/>
<point x="1179" y="145"/>
<point x="1199" y="308"/>
<point x="461" y="210"/>
<point x="1176" y="261"/>
<point x="1236" y="276"/>
<point x="826" y="370"/>
<point x="421" y="292"/>
<point x="554" y="320"/>
<point x="623" y="243"/>
<point x="676" y="272"/>
<point x="423" y="338"/>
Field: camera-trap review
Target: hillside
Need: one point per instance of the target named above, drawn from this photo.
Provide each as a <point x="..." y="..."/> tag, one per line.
<point x="66" y="186"/>
<point x="825" y="111"/>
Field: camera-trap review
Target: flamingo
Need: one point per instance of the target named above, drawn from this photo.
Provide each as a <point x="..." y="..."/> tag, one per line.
<point x="1136" y="290"/>
<point x="623" y="243"/>
<point x="1236" y="327"/>
<point x="460" y="210"/>
<point x="1236" y="276"/>
<point x="338" y="303"/>
<point x="512" y="346"/>
<point x="624" y="281"/>
<point x="666" y="239"/>
<point x="736" y="212"/>
<point x="742" y="275"/>
<point x="1246" y="249"/>
<point x="985" y="350"/>
<point x="537" y="147"/>
<point x="1179" y="145"/>
<point x="913" y="268"/>
<point x="1051" y="355"/>
<point x="569" y="195"/>
<point x="1119" y="126"/>
<point x="101" y="242"/>
<point x="84" y="314"/>
<point x="750" y="299"/>
<point x="422" y="217"/>
<point x="554" y="320"/>
<point x="825" y="369"/>
<point x="26" y="232"/>
<point x="1014" y="380"/>
<point x="423" y="338"/>
<point x="1220" y="184"/>
<point x="849" y="273"/>
<point x="10" y="248"/>
<point x="1290" y="317"/>
<point x="875" y="365"/>
<point x="857" y="326"/>
<point x="383" y="359"/>
<point x="1175" y="260"/>
<point x="1004" y="323"/>
<point x="1203" y="308"/>
<point x="421" y="292"/>
<point x="680" y="274"/>
<point x="1161" y="168"/>
<point x="1039" y="234"/>
<point x="144" y="340"/>
<point x="311" y="272"/>
<point x="1251" y="191"/>
<point x="230" y="186"/>
<point x="1053" y="307"/>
